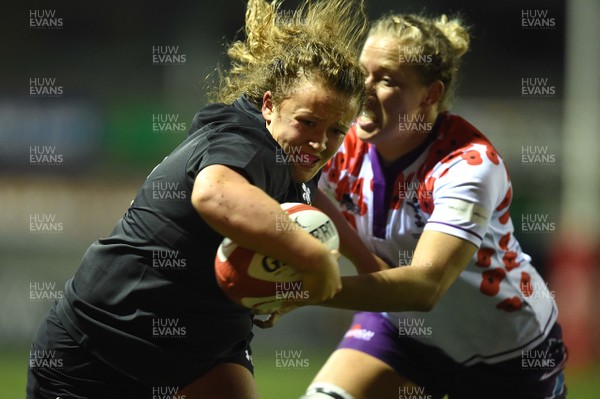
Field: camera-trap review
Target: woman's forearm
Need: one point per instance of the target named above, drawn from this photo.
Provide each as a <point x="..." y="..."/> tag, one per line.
<point x="438" y="260"/>
<point x="393" y="290"/>
<point x="249" y="217"/>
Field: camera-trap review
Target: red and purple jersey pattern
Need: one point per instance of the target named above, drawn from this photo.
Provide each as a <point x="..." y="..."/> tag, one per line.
<point x="456" y="183"/>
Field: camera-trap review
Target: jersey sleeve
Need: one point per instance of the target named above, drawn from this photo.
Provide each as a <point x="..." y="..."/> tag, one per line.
<point x="466" y="190"/>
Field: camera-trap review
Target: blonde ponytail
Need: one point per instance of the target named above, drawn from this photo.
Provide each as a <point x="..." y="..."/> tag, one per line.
<point x="455" y="32"/>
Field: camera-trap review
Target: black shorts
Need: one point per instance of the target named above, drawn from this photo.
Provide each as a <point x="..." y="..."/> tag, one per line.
<point x="60" y="368"/>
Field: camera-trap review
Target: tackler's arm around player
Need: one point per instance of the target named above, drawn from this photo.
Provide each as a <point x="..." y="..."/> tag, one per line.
<point x="235" y="208"/>
<point x="438" y="260"/>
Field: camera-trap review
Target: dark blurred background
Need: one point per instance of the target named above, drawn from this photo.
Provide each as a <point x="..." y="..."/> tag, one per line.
<point x="81" y="84"/>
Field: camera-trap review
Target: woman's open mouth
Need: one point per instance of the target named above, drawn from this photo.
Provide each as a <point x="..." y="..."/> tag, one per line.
<point x="367" y="120"/>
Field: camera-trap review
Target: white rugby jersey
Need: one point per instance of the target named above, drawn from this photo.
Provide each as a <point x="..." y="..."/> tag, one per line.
<point x="454" y="183"/>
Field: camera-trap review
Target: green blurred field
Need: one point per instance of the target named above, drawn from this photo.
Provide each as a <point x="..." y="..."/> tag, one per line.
<point x="273" y="382"/>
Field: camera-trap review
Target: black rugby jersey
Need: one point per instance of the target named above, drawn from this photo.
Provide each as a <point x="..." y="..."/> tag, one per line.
<point x="150" y="286"/>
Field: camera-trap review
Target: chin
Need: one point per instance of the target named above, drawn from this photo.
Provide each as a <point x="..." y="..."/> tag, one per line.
<point x="367" y="136"/>
<point x="302" y="176"/>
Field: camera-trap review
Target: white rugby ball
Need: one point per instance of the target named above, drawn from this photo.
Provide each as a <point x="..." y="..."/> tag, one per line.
<point x="259" y="282"/>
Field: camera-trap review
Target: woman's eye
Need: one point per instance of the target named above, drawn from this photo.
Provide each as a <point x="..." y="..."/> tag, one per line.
<point x="387" y="81"/>
<point x="308" y="122"/>
<point x="335" y="131"/>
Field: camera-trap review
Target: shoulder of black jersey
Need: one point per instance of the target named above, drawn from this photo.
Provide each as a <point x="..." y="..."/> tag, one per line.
<point x="220" y="116"/>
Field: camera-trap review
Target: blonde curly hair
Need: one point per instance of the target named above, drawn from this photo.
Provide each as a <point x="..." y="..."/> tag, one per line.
<point x="320" y="41"/>
<point x="444" y="41"/>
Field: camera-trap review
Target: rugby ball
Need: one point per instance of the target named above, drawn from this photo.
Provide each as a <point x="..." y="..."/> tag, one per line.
<point x="261" y="283"/>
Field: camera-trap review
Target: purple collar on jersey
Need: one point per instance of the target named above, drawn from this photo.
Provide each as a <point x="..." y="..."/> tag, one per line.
<point x="384" y="178"/>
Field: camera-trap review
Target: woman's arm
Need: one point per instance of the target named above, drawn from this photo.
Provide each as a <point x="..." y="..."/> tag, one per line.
<point x="438" y="260"/>
<point x="247" y="215"/>
<point x="351" y="245"/>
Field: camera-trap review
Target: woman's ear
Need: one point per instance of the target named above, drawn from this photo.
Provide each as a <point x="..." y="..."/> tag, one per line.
<point x="434" y="93"/>
<point x="267" y="107"/>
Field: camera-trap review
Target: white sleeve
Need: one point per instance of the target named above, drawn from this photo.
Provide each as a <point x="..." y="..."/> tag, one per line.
<point x="466" y="192"/>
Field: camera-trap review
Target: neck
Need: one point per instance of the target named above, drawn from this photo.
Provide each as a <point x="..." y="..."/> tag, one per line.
<point x="406" y="141"/>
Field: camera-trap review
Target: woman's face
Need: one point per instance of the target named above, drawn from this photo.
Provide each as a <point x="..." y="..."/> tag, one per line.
<point x="309" y="125"/>
<point x="395" y="95"/>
